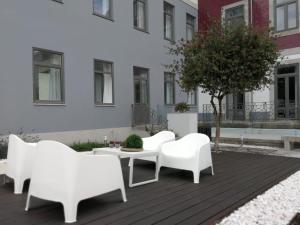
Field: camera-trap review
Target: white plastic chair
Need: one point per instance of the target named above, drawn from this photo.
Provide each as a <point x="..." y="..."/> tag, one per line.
<point x="62" y="175"/>
<point x="155" y="142"/>
<point x="20" y="158"/>
<point x="192" y="152"/>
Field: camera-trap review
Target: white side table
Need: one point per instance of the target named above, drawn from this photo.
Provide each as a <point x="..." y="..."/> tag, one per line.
<point x="132" y="156"/>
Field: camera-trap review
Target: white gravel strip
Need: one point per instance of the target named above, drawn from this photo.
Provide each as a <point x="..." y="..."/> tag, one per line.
<point x="277" y="206"/>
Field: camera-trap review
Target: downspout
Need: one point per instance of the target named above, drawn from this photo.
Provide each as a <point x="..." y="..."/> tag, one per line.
<point x="251" y="22"/>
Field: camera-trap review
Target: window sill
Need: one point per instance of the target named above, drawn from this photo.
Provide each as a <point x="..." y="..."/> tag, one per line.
<point x="141" y="30"/>
<point x="169" y="40"/>
<point x="287" y="32"/>
<point x="98" y="105"/>
<point x="104" y="17"/>
<point x="58" y="1"/>
<point x="49" y="104"/>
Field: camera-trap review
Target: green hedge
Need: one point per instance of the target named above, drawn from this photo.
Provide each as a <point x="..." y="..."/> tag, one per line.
<point x="86" y="146"/>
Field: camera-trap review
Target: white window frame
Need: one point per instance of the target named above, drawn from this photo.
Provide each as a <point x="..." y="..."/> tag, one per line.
<point x="236" y="4"/>
<point x="111" y="6"/>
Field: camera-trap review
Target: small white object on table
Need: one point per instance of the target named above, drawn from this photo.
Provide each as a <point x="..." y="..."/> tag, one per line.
<point x="132" y="156"/>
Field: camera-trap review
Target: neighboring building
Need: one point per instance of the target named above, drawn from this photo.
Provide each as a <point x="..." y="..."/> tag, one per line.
<point x="74" y="70"/>
<point x="280" y="102"/>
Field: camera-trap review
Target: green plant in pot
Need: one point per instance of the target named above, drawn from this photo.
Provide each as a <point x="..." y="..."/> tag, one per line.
<point x="133" y="143"/>
<point x="182" y="107"/>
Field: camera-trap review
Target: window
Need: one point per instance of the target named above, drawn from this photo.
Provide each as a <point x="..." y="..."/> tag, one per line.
<point x="140" y="14"/>
<point x="235" y="15"/>
<point x="168" y="21"/>
<point x="286" y="15"/>
<point x="103" y="8"/>
<point x="190" y="26"/>
<point x="103" y="72"/>
<point x="169" y="88"/>
<point x="47" y="77"/>
<point x="141" y="85"/>
<point x="191" y="98"/>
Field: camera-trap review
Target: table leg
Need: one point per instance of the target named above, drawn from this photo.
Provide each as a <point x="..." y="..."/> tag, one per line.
<point x="131" y="165"/>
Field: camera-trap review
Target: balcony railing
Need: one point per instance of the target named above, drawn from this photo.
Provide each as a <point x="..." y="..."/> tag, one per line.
<point x="254" y="112"/>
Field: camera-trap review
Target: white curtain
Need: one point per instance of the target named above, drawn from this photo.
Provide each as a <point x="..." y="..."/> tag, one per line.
<point x="107" y="89"/>
<point x="49" y="85"/>
<point x="168" y="27"/>
<point x="141" y="15"/>
<point x="105" y="7"/>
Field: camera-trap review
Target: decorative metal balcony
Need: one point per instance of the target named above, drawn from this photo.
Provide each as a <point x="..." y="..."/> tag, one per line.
<point x="254" y="112"/>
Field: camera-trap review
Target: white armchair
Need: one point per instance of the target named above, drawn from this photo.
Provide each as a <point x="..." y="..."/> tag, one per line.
<point x="155" y="142"/>
<point x="62" y="175"/>
<point x="20" y="158"/>
<point x="191" y="152"/>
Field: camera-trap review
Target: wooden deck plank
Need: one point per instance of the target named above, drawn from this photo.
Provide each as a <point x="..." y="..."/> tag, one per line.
<point x="174" y="199"/>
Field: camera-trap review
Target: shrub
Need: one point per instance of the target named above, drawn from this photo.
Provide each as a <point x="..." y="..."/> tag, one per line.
<point x="133" y="141"/>
<point x="182" y="107"/>
<point x="86" y="146"/>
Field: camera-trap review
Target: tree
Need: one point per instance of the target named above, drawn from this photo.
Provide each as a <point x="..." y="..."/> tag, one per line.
<point x="224" y="60"/>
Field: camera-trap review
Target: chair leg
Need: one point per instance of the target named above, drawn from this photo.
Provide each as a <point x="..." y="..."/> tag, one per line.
<point x="27" y="202"/>
<point x="196" y="177"/>
<point x="123" y="194"/>
<point x="18" y="186"/>
<point x="212" y="170"/>
<point x="4" y="179"/>
<point x="70" y="211"/>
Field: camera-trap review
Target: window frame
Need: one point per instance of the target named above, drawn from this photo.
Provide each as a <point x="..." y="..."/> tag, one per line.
<point x="174" y="88"/>
<point x="173" y="21"/>
<point x="234" y="7"/>
<point x="286" y="4"/>
<point x="62" y="77"/>
<point x="110" y="17"/>
<point x="193" y="26"/>
<point x="97" y="103"/>
<point x="146" y="14"/>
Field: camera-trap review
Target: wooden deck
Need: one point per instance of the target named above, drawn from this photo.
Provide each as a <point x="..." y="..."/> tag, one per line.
<point x="239" y="177"/>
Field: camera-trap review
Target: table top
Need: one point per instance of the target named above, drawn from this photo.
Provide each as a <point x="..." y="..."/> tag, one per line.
<point x="118" y="152"/>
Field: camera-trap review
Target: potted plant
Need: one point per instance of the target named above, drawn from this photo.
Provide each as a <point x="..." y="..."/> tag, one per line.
<point x="133" y="143"/>
<point x="182" y="107"/>
<point x="182" y="121"/>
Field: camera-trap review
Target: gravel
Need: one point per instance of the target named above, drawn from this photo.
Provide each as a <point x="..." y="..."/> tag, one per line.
<point x="277" y="206"/>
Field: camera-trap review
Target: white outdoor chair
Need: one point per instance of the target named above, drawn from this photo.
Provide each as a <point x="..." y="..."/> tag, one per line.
<point x="20" y="158"/>
<point x="62" y="175"/>
<point x="155" y="142"/>
<point x="192" y="152"/>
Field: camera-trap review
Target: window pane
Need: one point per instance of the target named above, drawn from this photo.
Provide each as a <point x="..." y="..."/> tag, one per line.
<point x="190" y="27"/>
<point x="191" y="98"/>
<point x="292" y="15"/>
<point x="103" y="83"/>
<point x="140" y="14"/>
<point x="49" y="84"/>
<point x="169" y="89"/>
<point x="102" y="7"/>
<point x="281" y="92"/>
<point x="280" y="18"/>
<point x="47" y="58"/>
<point x="168" y="21"/>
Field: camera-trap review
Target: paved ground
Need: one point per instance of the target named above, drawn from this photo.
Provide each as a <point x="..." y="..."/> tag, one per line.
<point x="173" y="200"/>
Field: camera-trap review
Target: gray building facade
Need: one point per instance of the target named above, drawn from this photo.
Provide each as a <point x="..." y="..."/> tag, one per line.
<point x="58" y="57"/>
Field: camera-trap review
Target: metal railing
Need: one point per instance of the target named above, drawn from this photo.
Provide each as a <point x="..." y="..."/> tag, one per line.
<point x="253" y="112"/>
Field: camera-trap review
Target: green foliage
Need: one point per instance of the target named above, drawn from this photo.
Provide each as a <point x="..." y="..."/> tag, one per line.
<point x="86" y="146"/>
<point x="226" y="59"/>
<point x="182" y="107"/>
<point x="133" y="141"/>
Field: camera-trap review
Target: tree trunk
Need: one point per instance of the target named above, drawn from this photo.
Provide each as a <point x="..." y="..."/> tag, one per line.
<point x="218" y="125"/>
